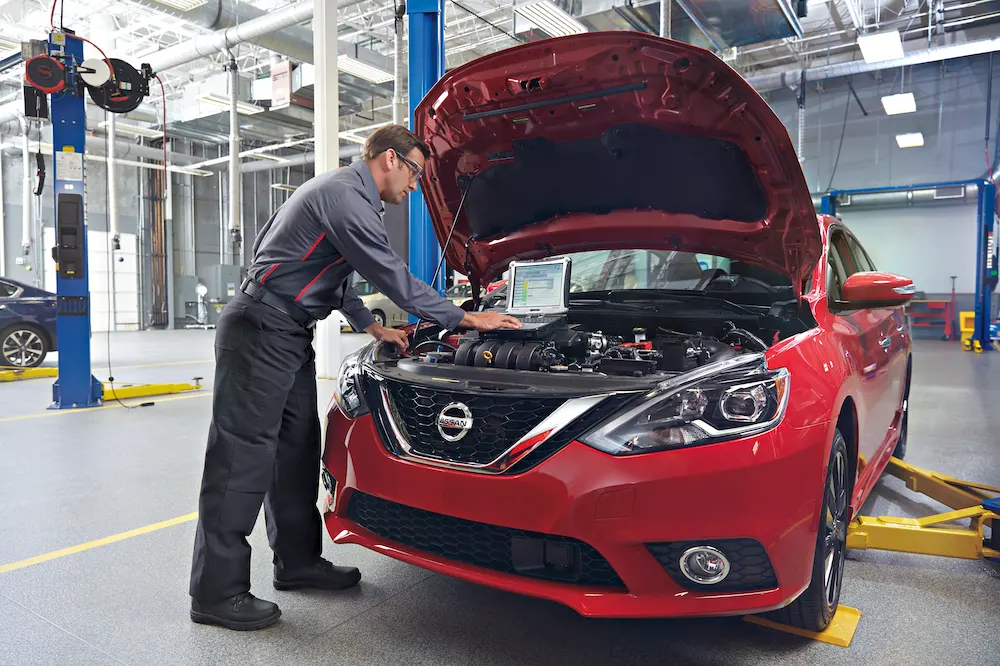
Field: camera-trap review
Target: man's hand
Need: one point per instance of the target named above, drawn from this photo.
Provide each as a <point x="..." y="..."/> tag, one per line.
<point x="489" y="321"/>
<point x="393" y="336"/>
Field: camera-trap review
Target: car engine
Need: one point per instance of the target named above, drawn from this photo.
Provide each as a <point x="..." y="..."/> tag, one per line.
<point x="571" y="348"/>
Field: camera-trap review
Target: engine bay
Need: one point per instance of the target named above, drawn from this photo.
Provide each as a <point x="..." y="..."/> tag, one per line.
<point x="569" y="348"/>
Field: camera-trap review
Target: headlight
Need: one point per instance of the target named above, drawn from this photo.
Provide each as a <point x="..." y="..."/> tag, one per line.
<point x="348" y="396"/>
<point x="727" y="404"/>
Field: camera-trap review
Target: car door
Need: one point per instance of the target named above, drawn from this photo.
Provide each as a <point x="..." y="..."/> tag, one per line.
<point x="859" y="332"/>
<point x="892" y="341"/>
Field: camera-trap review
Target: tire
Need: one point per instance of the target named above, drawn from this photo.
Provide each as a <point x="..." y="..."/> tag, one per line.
<point x="23" y="346"/>
<point x="814" y="609"/>
<point x="900" y="450"/>
<point x="379" y="317"/>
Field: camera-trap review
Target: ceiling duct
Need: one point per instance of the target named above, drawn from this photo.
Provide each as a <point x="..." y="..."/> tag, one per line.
<point x="786" y="79"/>
<point x="950" y="194"/>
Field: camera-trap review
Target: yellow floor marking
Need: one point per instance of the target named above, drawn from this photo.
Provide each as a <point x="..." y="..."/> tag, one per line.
<point x="107" y="405"/>
<point x="38" y="559"/>
<point x="161" y="365"/>
<point x="839" y="632"/>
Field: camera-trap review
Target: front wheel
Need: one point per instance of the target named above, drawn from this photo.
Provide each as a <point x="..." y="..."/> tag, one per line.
<point x="904" y="408"/>
<point x="22" y="346"/>
<point x="815" y="608"/>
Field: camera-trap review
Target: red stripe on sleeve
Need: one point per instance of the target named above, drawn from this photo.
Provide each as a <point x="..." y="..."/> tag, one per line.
<point x="268" y="273"/>
<point x="314" y="246"/>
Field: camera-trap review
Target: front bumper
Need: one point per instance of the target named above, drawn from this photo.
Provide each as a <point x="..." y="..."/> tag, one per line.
<point x="766" y="488"/>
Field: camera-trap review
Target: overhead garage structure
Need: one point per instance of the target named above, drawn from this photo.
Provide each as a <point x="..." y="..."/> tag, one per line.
<point x="762" y="242"/>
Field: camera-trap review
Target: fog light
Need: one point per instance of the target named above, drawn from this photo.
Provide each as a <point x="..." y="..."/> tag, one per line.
<point x="704" y="565"/>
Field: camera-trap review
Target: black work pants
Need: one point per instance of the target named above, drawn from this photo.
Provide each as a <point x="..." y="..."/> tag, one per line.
<point x="263" y="447"/>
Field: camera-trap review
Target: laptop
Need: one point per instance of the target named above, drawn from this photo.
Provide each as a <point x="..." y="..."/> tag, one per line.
<point x="538" y="292"/>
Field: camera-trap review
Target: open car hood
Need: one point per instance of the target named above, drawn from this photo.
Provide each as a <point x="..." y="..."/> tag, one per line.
<point x="611" y="140"/>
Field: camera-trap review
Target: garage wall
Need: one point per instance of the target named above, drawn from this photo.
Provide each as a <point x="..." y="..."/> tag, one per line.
<point x="927" y="243"/>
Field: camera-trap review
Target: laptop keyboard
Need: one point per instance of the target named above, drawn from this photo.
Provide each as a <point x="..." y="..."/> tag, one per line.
<point x="539" y="320"/>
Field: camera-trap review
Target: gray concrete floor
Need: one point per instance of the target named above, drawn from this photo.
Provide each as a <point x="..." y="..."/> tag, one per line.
<point x="68" y="478"/>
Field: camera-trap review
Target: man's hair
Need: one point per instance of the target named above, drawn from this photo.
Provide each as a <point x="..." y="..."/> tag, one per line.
<point x="396" y="137"/>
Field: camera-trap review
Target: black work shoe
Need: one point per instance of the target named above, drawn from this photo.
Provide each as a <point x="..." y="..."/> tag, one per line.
<point x="242" y="612"/>
<point x="322" y="575"/>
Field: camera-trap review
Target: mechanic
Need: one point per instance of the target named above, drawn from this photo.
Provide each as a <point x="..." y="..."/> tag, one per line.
<point x="264" y="438"/>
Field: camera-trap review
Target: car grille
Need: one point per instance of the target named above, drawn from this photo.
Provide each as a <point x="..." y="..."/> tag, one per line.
<point x="749" y="566"/>
<point x="479" y="544"/>
<point x="498" y="421"/>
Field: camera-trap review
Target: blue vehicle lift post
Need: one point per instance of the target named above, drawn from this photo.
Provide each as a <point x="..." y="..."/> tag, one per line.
<point x="75" y="387"/>
<point x="426" y="67"/>
<point x="985" y="220"/>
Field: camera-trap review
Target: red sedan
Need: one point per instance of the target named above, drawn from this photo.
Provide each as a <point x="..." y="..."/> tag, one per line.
<point x="728" y="383"/>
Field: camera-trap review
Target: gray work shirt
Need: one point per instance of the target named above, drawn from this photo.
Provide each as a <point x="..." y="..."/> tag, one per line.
<point x="330" y="227"/>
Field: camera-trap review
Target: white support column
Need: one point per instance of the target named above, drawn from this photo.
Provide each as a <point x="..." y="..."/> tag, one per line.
<point x="168" y="209"/>
<point x="235" y="179"/>
<point x="327" y="116"/>
<point x="665" y="18"/>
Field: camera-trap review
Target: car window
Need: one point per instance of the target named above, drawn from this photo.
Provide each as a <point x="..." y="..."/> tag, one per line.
<point x="861" y="257"/>
<point x="839" y="265"/>
<point x="7" y="290"/>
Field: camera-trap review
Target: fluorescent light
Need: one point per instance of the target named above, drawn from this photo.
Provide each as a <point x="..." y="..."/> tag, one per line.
<point x="901" y="103"/>
<point x="880" y="46"/>
<point x="183" y="5"/>
<point x="911" y="140"/>
<point x="124" y="128"/>
<point x="284" y="188"/>
<point x="362" y="70"/>
<point x="9" y="45"/>
<point x="352" y="138"/>
<point x="549" y="18"/>
<point x="241" y="107"/>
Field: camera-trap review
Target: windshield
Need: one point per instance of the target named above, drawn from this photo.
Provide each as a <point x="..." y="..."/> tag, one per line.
<point x="623" y="270"/>
<point x="671" y="271"/>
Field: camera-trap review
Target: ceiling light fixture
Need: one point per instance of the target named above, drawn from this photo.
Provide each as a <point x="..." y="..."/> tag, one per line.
<point x="135" y="130"/>
<point x="362" y="70"/>
<point x="549" y="18"/>
<point x="911" y="140"/>
<point x="901" y="103"/>
<point x="9" y="44"/>
<point x="881" y="46"/>
<point x="183" y="5"/>
<point x="241" y="107"/>
<point x="283" y="187"/>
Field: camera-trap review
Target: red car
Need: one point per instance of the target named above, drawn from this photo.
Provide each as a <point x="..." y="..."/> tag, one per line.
<point x="729" y="386"/>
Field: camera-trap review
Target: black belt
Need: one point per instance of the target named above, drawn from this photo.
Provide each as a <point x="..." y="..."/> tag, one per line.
<point x="259" y="293"/>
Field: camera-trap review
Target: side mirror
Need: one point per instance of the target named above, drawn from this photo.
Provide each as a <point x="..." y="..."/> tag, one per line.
<point x="867" y="290"/>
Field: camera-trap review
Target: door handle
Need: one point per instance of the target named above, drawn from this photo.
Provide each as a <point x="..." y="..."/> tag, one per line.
<point x="884" y="343"/>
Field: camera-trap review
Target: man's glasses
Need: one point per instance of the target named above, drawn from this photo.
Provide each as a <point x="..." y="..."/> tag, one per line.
<point x="418" y="171"/>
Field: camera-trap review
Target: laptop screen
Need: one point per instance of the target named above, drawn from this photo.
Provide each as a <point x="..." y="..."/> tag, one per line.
<point x="538" y="286"/>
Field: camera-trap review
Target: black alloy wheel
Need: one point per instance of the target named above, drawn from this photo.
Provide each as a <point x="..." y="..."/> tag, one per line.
<point x="814" y="609"/>
<point x="22" y="347"/>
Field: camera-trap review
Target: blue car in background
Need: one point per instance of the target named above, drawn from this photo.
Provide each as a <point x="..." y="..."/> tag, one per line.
<point x="27" y="324"/>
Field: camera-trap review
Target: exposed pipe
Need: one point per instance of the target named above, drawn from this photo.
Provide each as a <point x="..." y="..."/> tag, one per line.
<point x="26" y="211"/>
<point x="221" y="40"/>
<point x="767" y="82"/>
<point x="398" y="108"/>
<point x="235" y="179"/>
<point x="346" y="152"/>
<point x="665" y="18"/>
